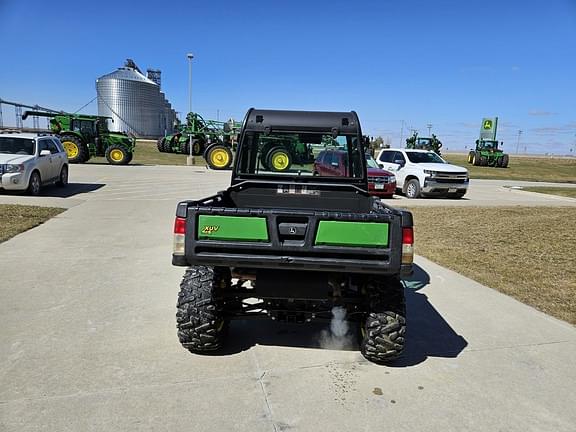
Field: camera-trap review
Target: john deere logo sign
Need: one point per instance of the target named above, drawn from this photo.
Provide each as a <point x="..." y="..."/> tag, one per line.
<point x="488" y="128"/>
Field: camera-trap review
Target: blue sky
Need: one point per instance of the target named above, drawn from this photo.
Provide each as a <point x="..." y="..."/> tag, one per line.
<point x="409" y="62"/>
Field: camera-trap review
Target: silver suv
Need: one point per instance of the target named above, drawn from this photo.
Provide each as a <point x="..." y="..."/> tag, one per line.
<point x="30" y="160"/>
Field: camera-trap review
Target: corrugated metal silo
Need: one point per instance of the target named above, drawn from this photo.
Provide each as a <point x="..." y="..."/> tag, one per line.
<point x="133" y="101"/>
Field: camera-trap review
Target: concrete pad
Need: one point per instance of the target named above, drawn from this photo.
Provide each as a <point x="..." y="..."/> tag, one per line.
<point x="88" y="338"/>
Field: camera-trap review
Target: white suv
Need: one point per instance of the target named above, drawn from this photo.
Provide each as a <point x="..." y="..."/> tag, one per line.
<point x="30" y="160"/>
<point x="423" y="172"/>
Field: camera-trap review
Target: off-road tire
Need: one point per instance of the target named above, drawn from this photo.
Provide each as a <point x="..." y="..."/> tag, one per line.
<point x="63" y="177"/>
<point x="197" y="148"/>
<point x="200" y="321"/>
<point x="117" y="155"/>
<point x="505" y="160"/>
<point x="184" y="147"/>
<point x="160" y="144"/>
<point x="483" y="161"/>
<point x="412" y="190"/>
<point x="130" y="157"/>
<point x="216" y="149"/>
<point x="34" y="184"/>
<point x="470" y="157"/>
<point x="476" y="159"/>
<point x="167" y="146"/>
<point x="384" y="329"/>
<point x="276" y="152"/>
<point x="82" y="155"/>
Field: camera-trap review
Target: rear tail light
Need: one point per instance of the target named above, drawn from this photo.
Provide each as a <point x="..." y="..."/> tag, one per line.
<point x="179" y="236"/>
<point x="407" y="245"/>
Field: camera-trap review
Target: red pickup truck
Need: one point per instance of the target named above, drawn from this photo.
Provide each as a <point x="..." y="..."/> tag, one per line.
<point x="334" y="163"/>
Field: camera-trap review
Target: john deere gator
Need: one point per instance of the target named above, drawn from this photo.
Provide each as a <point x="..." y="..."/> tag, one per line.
<point x="283" y="244"/>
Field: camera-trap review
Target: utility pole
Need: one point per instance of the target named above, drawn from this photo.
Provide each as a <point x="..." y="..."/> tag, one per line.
<point x="401" y="132"/>
<point x="429" y="126"/>
<point x="190" y="158"/>
<point x="518" y="142"/>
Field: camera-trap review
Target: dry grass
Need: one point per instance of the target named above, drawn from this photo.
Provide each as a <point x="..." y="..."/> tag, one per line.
<point x="523" y="168"/>
<point x="561" y="191"/>
<point x="15" y="219"/>
<point x="527" y="253"/>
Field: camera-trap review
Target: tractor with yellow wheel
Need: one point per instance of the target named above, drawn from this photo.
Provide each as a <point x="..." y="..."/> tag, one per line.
<point x="213" y="139"/>
<point x="280" y="153"/>
<point x="85" y="136"/>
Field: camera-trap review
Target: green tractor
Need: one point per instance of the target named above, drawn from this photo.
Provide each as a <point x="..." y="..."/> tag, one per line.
<point x="278" y="153"/>
<point x="213" y="139"/>
<point x="487" y="151"/>
<point x="86" y="136"/>
<point x="424" y="143"/>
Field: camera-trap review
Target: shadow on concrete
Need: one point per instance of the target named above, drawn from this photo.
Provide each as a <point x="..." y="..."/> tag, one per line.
<point x="54" y="191"/>
<point x="428" y="334"/>
<point x="71" y="190"/>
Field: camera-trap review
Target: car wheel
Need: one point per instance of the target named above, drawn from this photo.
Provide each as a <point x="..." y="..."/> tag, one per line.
<point x="34" y="184"/>
<point x="413" y="189"/>
<point x="63" y="178"/>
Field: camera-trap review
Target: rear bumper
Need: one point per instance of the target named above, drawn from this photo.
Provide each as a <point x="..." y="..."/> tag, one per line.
<point x="387" y="190"/>
<point x="295" y="263"/>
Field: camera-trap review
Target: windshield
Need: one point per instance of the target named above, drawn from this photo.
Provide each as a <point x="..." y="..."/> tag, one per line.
<point x="371" y="162"/>
<point x="21" y="146"/>
<point x="424" y="157"/>
<point x="490" y="144"/>
<point x="297" y="154"/>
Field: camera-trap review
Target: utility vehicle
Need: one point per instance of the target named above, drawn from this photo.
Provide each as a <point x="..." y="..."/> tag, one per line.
<point x="289" y="245"/>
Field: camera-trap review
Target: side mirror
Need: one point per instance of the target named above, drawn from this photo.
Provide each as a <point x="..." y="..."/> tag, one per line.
<point x="45" y="153"/>
<point x="400" y="162"/>
<point x="381" y="165"/>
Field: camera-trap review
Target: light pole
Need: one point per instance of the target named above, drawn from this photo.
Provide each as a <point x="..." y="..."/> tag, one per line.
<point x="429" y="126"/>
<point x="190" y="57"/>
<point x="518" y="142"/>
<point x="190" y="158"/>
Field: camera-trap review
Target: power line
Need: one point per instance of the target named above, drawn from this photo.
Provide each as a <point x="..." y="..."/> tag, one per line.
<point x="84" y="106"/>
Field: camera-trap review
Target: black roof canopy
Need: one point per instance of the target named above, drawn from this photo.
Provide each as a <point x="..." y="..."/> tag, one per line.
<point x="260" y="120"/>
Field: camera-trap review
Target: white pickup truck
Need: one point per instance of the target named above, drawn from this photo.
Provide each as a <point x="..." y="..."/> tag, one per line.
<point x="423" y="172"/>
